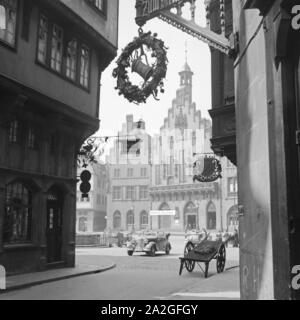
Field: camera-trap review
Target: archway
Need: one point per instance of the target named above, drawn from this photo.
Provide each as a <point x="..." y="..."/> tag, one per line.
<point x="211" y="217"/>
<point x="117" y="220"/>
<point x="54" y="224"/>
<point x="190" y="216"/>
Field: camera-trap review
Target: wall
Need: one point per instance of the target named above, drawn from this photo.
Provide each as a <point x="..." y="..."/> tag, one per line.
<point x="260" y="150"/>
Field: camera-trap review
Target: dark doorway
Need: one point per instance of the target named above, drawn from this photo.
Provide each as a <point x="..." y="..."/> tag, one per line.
<point x="192" y="221"/>
<point x="54" y="227"/>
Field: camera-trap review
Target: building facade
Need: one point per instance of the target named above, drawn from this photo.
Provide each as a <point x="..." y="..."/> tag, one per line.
<point x="129" y="170"/>
<point x="266" y="112"/>
<point x="52" y="55"/>
<point x="91" y="211"/>
<point x="186" y="133"/>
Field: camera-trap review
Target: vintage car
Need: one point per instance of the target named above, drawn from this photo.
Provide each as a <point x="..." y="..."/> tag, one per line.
<point x="150" y="243"/>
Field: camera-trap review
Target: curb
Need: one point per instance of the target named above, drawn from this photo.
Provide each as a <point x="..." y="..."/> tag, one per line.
<point x="39" y="282"/>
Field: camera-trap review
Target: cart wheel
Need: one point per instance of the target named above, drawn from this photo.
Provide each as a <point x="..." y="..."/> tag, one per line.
<point x="221" y="259"/>
<point x="189" y="265"/>
<point x="130" y="253"/>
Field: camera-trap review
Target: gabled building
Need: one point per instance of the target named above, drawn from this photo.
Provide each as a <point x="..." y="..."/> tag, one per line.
<point x="184" y="134"/>
<point x="52" y="55"/>
<point x="129" y="168"/>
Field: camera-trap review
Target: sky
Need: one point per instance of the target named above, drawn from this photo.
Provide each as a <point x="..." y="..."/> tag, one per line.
<point x="114" y="108"/>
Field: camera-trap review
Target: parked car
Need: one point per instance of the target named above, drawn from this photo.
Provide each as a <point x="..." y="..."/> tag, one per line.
<point x="150" y="243"/>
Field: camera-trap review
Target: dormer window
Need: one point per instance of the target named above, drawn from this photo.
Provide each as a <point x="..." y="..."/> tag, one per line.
<point x="100" y="5"/>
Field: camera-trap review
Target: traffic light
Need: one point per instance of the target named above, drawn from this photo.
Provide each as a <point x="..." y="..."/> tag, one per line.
<point x="85" y="186"/>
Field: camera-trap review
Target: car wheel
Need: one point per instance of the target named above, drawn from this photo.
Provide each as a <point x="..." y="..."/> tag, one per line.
<point x="152" y="252"/>
<point x="168" y="249"/>
<point x="130" y="253"/>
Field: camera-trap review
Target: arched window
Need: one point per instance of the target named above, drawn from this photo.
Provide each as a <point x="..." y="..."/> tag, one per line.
<point x="211" y="217"/>
<point x="18" y="214"/>
<point x="117" y="220"/>
<point x="130" y="219"/>
<point x="144" y="220"/>
<point x="82" y="224"/>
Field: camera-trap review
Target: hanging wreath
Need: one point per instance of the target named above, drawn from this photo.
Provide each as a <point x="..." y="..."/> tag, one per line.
<point x="212" y="170"/>
<point x="134" y="56"/>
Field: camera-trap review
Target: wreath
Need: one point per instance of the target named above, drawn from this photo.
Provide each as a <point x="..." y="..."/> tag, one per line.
<point x="152" y="84"/>
<point x="212" y="170"/>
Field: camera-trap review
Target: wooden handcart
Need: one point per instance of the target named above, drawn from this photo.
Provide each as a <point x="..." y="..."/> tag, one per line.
<point x="203" y="252"/>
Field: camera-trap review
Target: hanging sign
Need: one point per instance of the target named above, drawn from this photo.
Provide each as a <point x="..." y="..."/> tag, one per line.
<point x="148" y="9"/>
<point x="207" y="169"/>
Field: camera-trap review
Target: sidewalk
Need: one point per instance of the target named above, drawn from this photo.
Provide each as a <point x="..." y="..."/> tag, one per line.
<point x="32" y="279"/>
<point x="223" y="286"/>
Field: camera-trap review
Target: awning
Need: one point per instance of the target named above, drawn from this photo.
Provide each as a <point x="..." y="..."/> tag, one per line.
<point x="162" y="213"/>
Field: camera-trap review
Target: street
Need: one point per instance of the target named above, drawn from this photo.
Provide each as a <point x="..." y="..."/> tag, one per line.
<point x="139" y="277"/>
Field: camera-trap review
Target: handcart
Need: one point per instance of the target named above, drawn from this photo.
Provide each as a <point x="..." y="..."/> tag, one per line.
<point x="204" y="252"/>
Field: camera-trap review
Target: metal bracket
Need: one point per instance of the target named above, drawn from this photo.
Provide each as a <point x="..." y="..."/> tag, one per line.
<point x="213" y="39"/>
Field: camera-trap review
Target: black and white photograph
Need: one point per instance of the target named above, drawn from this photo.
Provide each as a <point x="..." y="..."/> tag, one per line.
<point x="149" y="153"/>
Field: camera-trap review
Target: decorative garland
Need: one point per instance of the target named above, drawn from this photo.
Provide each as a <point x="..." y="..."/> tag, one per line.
<point x="212" y="171"/>
<point x="134" y="93"/>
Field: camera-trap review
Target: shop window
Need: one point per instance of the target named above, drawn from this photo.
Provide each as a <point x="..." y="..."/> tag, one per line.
<point x="18" y="214"/>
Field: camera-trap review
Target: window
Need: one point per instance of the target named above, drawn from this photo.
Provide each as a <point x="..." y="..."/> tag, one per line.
<point x="18" y="212"/>
<point x="15" y="131"/>
<point x="84" y="66"/>
<point x="117" y="173"/>
<point x="130" y="193"/>
<point x="8" y="20"/>
<point x="143" y="192"/>
<point x="130" y="219"/>
<point x="31" y="139"/>
<point x="117" y="193"/>
<point x="100" y="5"/>
<point x="56" y="48"/>
<point x="157" y="175"/>
<point x="130" y="172"/>
<point x="144" y="220"/>
<point x="143" y="172"/>
<point x="42" y="41"/>
<point x="83" y="224"/>
<point x="71" y="60"/>
<point x="232" y="186"/>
